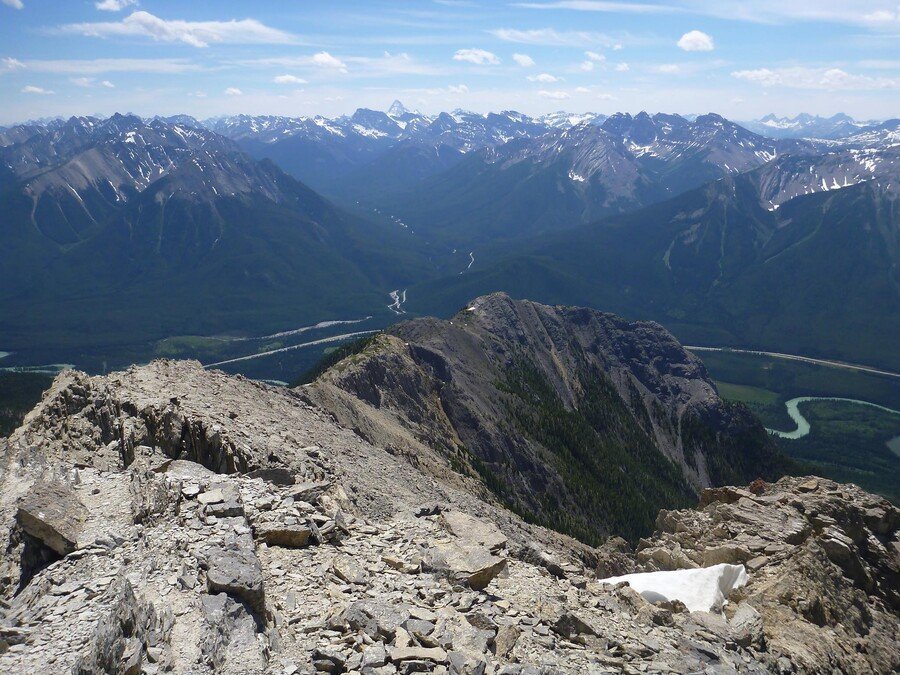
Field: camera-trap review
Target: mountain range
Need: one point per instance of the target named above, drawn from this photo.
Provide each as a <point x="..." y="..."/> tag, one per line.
<point x="155" y="228"/>
<point x="805" y="125"/>
<point x="252" y="225"/>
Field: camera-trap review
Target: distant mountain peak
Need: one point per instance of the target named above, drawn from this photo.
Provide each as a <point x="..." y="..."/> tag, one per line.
<point x="397" y="109"/>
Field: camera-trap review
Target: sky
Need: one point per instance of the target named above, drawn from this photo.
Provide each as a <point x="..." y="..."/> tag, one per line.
<point x="307" y="57"/>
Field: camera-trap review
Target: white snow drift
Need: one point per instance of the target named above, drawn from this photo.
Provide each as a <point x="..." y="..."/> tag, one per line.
<point x="705" y="589"/>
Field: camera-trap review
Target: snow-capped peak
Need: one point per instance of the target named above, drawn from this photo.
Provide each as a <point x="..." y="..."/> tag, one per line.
<point x="397" y="109"/>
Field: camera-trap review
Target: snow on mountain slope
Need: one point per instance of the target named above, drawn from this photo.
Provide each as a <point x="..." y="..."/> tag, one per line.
<point x="797" y="175"/>
<point x="805" y="125"/>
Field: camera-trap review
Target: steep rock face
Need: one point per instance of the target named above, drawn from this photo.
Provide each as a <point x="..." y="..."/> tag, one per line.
<point x="553" y="407"/>
<point x="824" y="566"/>
<point x="403" y="568"/>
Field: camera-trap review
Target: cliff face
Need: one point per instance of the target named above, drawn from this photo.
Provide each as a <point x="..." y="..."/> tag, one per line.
<point x="554" y="408"/>
<point x="173" y="519"/>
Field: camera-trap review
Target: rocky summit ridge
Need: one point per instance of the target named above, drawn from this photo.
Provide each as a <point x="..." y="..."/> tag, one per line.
<point x="540" y="402"/>
<point x="170" y="518"/>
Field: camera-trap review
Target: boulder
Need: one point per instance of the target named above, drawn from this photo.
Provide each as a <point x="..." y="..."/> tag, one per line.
<point x="572" y="623"/>
<point x="473" y="531"/>
<point x="374" y="656"/>
<point x="275" y="533"/>
<point x="476" y="566"/>
<point x="534" y="555"/>
<point x="215" y="496"/>
<point x="349" y="570"/>
<point x="506" y="639"/>
<point x="377" y="619"/>
<point x="454" y="632"/>
<point x="236" y="571"/>
<point x="747" y="626"/>
<point x="52" y="514"/>
<point x="434" y="654"/>
<point x="309" y="492"/>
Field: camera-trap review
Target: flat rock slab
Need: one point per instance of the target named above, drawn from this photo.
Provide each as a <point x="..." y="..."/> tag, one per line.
<point x="474" y="566"/>
<point x="435" y="654"/>
<point x="309" y="492"/>
<point x="473" y="531"/>
<point x="211" y="497"/>
<point x="281" y="534"/>
<point x="349" y="570"/>
<point x="53" y="514"/>
<point x="184" y="469"/>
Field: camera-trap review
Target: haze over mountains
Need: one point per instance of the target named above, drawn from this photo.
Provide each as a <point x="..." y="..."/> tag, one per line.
<point x="173" y="227"/>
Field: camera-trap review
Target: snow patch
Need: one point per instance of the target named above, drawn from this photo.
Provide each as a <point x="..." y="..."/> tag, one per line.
<point x="705" y="589"/>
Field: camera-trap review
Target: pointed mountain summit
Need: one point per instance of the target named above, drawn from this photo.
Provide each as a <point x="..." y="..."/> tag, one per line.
<point x="397" y="109"/>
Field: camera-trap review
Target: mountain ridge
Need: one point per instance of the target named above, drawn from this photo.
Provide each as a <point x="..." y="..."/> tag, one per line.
<point x="484" y="387"/>
<point x="172" y="517"/>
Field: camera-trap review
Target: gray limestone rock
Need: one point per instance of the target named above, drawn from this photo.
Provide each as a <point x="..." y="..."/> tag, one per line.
<point x="53" y="514"/>
<point x="475" y="566"/>
<point x="235" y="570"/>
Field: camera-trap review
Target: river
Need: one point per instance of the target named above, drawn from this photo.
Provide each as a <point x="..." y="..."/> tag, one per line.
<point x="793" y="409"/>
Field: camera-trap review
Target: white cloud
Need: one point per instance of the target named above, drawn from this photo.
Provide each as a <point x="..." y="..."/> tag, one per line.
<point x="326" y="60"/>
<point x="458" y="89"/>
<point x="386" y="65"/>
<point x="600" y="6"/>
<point x="31" y="89"/>
<point x="480" y="57"/>
<point x="827" y="79"/>
<point x="523" y="60"/>
<point x="194" y="33"/>
<point x="595" y="94"/>
<point x="8" y="64"/>
<point x="545" y="78"/>
<point x="593" y="58"/>
<point x="88" y="82"/>
<point x="96" y="66"/>
<point x="550" y="37"/>
<point x="233" y="91"/>
<point x="622" y="67"/>
<point x="555" y="95"/>
<point x="288" y="79"/>
<point x="114" y="5"/>
<point x="878" y="14"/>
<point x="15" y="4"/>
<point x="666" y="69"/>
<point x="696" y="41"/>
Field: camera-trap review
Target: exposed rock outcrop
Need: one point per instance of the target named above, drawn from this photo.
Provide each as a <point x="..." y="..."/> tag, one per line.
<point x="551" y="407"/>
<point x="824" y="567"/>
<point x="53" y="515"/>
<point x="177" y="567"/>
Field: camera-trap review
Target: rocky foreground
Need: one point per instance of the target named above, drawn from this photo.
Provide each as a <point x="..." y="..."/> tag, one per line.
<point x="172" y="519"/>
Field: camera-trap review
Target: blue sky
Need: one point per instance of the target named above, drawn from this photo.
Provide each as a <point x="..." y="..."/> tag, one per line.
<point x="305" y="57"/>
